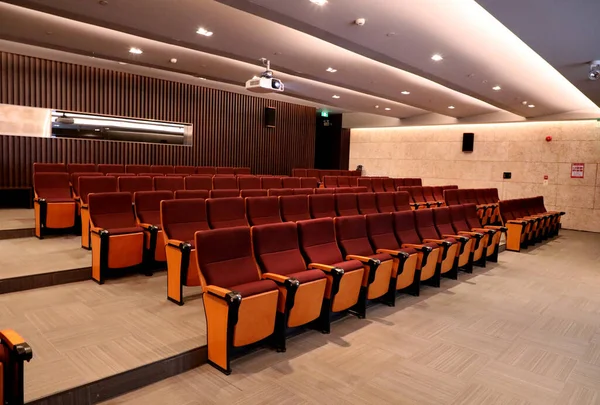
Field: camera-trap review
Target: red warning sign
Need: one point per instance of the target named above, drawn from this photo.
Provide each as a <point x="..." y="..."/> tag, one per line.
<point x="577" y="170"/>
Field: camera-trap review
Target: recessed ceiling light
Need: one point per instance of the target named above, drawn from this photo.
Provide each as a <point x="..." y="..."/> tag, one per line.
<point x="103" y="2"/>
<point x="497" y="88"/>
<point x="204" y="32"/>
<point x="202" y="78"/>
<point x="331" y="70"/>
<point x="406" y="93"/>
<point x="524" y="102"/>
<point x="173" y="60"/>
<point x="451" y="107"/>
<point x="319" y="2"/>
<point x="136" y="51"/>
<point x="335" y="96"/>
<point x="122" y="63"/>
<point x="376" y="106"/>
<point x="387" y="108"/>
<point x="531" y="106"/>
<point x="437" y="57"/>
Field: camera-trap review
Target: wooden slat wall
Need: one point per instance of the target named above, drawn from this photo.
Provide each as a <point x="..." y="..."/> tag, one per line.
<point x="228" y="127"/>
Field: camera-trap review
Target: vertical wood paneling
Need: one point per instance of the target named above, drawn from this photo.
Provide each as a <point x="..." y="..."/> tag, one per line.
<point x="228" y="127"/>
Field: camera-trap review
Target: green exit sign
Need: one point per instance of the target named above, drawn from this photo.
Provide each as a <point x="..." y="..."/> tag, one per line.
<point x="324" y="114"/>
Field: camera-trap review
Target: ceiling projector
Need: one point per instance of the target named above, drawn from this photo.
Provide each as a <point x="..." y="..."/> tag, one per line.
<point x="265" y="83"/>
<point x="594" y="70"/>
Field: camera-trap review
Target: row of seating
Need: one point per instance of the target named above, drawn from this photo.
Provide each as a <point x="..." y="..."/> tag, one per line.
<point x="528" y="222"/>
<point x="486" y="199"/>
<point x="318" y="173"/>
<point x="374" y="183"/>
<point x="311" y="269"/>
<point x="135" y="169"/>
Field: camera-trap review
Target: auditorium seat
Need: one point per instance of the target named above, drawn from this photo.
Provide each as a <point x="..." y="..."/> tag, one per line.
<point x="262" y="210"/>
<point x="367" y="203"/>
<point x="210" y="170"/>
<point x="240" y="307"/>
<point x="74" y="180"/>
<point x="81" y="167"/>
<point x="49" y="168"/>
<point x="450" y="247"/>
<point x="388" y="184"/>
<point x="344" y="277"/>
<point x="330" y="181"/>
<point x="186" y="194"/>
<point x="343" y="181"/>
<point x="132" y="184"/>
<point x="377" y="184"/>
<point x="169" y="183"/>
<point x="226" y="170"/>
<point x="438" y="195"/>
<point x="303" y="191"/>
<point x="53" y="204"/>
<point x="346" y="205"/>
<point x="90" y="185"/>
<point x="248" y="183"/>
<point x="226" y="212"/>
<point x="416" y="192"/>
<point x="322" y="205"/>
<point x="180" y="219"/>
<point x="185" y="169"/>
<point x="111" y="168"/>
<point x="351" y="234"/>
<point x="385" y="202"/>
<point x="117" y="241"/>
<point x="291" y="182"/>
<point x="224" y="183"/>
<point x="198" y="183"/>
<point x="430" y="256"/>
<point x="137" y="169"/>
<point x="270" y="182"/>
<point x="464" y="217"/>
<point x="163" y="169"/>
<point x="365" y="182"/>
<point x="294" y="208"/>
<point x="398" y="183"/>
<point x="299" y="173"/>
<point x="254" y="193"/>
<point x="344" y="190"/>
<point x="147" y="212"/>
<point x="359" y="189"/>
<point x="242" y="171"/>
<point x="380" y="229"/>
<point x="301" y="290"/>
<point x="471" y="243"/>
<point x="15" y="351"/>
<point x="309" y="182"/>
<point x="519" y="229"/>
<point x="430" y="198"/>
<point x="276" y="192"/>
<point x="451" y="197"/>
<point x="324" y="190"/>
<point x="313" y="173"/>
<point x="224" y="193"/>
<point x="402" y="201"/>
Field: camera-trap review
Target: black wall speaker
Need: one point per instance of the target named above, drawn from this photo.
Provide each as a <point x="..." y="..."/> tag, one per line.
<point x="270" y="116"/>
<point x="468" y="139"/>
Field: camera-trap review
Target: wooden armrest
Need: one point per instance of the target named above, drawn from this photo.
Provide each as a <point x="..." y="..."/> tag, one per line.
<point x="514" y="221"/>
<point x="11" y="338"/>
<point x="320" y="266"/>
<point x="96" y="230"/>
<point x="390" y="252"/>
<point x="218" y="291"/>
<point x="176" y="243"/>
<point x="453" y="236"/>
<point x="363" y="259"/>
<point x="275" y="277"/>
<point x="438" y="241"/>
<point x="147" y="226"/>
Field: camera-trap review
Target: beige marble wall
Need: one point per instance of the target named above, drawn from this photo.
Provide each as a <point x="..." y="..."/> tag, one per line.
<point x="434" y="154"/>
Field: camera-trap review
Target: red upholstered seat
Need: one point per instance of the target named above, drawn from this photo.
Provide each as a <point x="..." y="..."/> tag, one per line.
<point x="248" y="183"/>
<point x="180" y="219"/>
<point x="242" y="171"/>
<point x="169" y="183"/>
<point x="388" y="185"/>
<point x="322" y="205"/>
<point x="99" y="184"/>
<point x="187" y="170"/>
<point x="53" y="203"/>
<point x="132" y="184"/>
<point x="275" y="192"/>
<point x="225" y="183"/>
<point x="299" y="172"/>
<point x="52" y="186"/>
<point x="226" y="170"/>
<point x="398" y="183"/>
<point x="81" y="167"/>
<point x="207" y="170"/>
<point x="377" y="184"/>
<point x="313" y="173"/>
<point x="198" y="182"/>
<point x="438" y="193"/>
<point x="343" y="181"/>
<point x="262" y="210"/>
<point x="402" y="201"/>
<point x="385" y="202"/>
<point x="111" y="168"/>
<point x="74" y="178"/>
<point x="451" y="197"/>
<point x="270" y="182"/>
<point x="254" y="193"/>
<point x="365" y="182"/>
<point x="309" y="182"/>
<point x="224" y="193"/>
<point x="294" y="208"/>
<point x="226" y="212"/>
<point x="324" y="190"/>
<point x="49" y="168"/>
<point x="291" y="182"/>
<point x="147" y="206"/>
<point x="164" y="169"/>
<point x="137" y="169"/>
<point x="367" y="203"/>
<point x="303" y="191"/>
<point x="185" y="194"/>
<point x="346" y="204"/>
<point x="330" y="181"/>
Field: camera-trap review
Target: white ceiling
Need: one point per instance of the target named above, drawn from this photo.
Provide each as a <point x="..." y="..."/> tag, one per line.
<point x="391" y="53"/>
